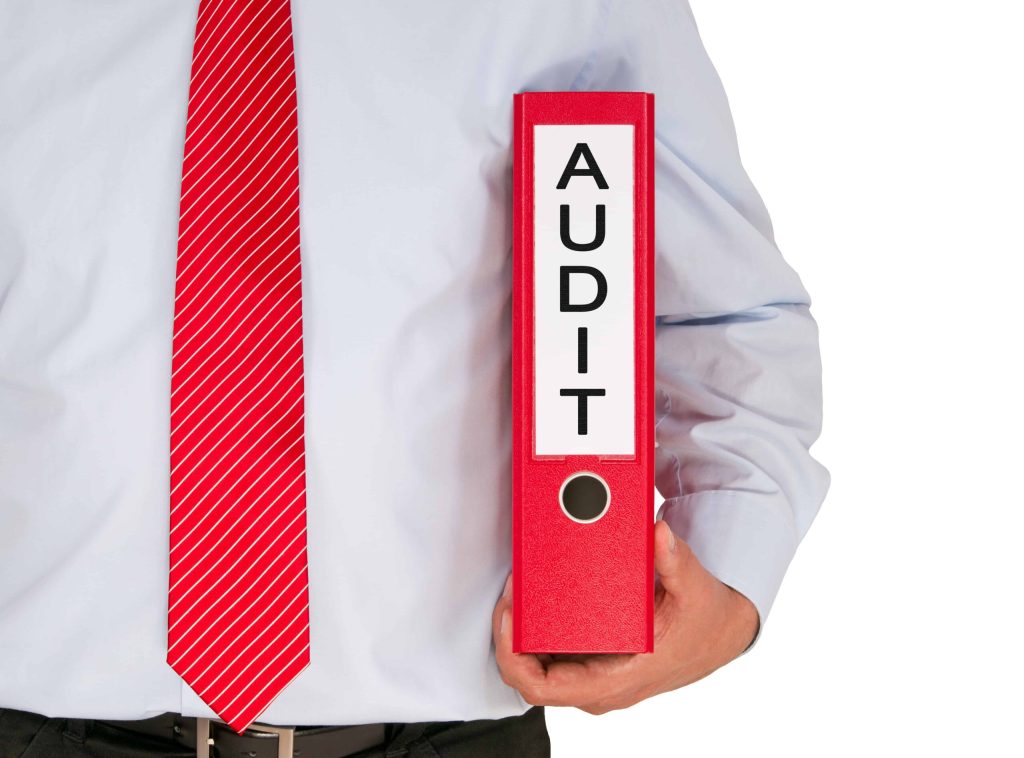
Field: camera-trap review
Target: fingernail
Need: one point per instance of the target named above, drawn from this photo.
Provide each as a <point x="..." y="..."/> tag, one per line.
<point x="504" y="623"/>
<point x="671" y="542"/>
<point x="508" y="587"/>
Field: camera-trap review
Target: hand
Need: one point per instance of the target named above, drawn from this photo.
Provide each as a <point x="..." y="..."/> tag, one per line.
<point x="700" y="625"/>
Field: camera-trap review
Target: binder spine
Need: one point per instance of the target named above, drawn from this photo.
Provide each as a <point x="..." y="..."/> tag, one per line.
<point x="582" y="421"/>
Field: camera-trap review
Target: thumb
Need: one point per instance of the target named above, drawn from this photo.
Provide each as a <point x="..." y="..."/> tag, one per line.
<point x="673" y="559"/>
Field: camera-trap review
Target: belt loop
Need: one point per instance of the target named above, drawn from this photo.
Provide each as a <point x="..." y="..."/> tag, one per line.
<point x="76" y="730"/>
<point x="407" y="735"/>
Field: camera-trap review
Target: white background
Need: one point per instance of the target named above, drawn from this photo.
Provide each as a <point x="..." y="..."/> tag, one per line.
<point x="886" y="139"/>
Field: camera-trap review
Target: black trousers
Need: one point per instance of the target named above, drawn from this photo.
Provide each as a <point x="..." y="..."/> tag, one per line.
<point x="30" y="735"/>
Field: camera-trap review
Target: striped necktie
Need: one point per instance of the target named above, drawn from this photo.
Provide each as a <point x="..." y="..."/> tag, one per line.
<point x="238" y="604"/>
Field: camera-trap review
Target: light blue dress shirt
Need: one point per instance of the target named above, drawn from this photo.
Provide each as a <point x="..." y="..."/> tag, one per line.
<point x="405" y="169"/>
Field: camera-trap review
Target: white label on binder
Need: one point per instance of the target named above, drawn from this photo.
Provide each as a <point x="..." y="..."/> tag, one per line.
<point x="584" y="378"/>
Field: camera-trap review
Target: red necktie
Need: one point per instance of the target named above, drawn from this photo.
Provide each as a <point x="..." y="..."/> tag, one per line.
<point x="238" y="606"/>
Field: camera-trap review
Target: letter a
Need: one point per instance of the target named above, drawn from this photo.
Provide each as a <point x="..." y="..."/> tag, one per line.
<point x="582" y="150"/>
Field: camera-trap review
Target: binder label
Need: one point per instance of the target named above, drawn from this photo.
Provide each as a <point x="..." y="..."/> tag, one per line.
<point x="584" y="378"/>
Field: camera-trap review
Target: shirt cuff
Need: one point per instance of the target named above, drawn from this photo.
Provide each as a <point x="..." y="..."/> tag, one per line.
<point x="746" y="540"/>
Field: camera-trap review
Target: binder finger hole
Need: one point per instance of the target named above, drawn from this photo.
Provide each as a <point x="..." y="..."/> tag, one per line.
<point x="584" y="497"/>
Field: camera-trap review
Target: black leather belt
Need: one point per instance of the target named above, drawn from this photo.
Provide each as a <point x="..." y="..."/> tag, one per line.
<point x="259" y="740"/>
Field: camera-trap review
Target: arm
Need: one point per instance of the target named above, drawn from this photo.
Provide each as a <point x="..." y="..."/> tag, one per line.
<point x="738" y="371"/>
<point x="738" y="384"/>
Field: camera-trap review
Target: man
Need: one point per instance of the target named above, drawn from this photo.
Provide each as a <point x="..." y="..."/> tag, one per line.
<point x="386" y="637"/>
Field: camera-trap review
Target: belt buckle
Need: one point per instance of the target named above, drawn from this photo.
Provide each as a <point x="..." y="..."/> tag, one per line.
<point x="285" y="737"/>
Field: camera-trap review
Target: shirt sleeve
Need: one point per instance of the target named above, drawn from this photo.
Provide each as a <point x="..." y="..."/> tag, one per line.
<point x="738" y="372"/>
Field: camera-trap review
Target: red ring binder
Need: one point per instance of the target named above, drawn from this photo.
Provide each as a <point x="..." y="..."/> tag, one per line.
<point x="583" y="371"/>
